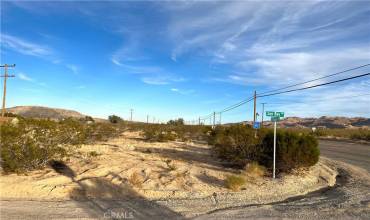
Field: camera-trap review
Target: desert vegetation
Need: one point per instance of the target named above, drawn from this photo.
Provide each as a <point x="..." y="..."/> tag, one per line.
<point x="238" y="145"/>
<point x="353" y="134"/>
<point x="30" y="144"/>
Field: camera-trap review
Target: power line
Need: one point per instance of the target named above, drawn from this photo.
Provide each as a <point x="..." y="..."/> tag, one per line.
<point x="236" y="105"/>
<point x="312" y="80"/>
<point x="317" y="100"/>
<point x="310" y="87"/>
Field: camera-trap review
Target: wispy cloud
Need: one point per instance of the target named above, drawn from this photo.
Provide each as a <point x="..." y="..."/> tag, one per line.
<point x="183" y="92"/>
<point x="24" y="77"/>
<point x="159" y="79"/>
<point x="25" y="47"/>
<point x="73" y="68"/>
<point x="81" y="87"/>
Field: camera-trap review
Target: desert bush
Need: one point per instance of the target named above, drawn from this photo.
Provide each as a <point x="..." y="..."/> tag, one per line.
<point x="234" y="182"/>
<point x="293" y="150"/>
<point x="179" y="121"/>
<point x="24" y="148"/>
<point x="114" y="119"/>
<point x="237" y="144"/>
<point x="31" y="143"/>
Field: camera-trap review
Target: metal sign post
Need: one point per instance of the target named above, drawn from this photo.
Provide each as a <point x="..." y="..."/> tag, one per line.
<point x="273" y="172"/>
<point x="275" y="117"/>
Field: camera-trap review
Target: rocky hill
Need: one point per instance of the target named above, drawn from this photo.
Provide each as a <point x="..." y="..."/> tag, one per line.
<point x="324" y="122"/>
<point x="44" y="112"/>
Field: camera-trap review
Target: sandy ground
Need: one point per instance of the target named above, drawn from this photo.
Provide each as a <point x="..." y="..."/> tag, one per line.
<point x="162" y="171"/>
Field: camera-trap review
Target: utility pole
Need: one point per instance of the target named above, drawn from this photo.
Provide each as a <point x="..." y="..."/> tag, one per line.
<point x="147" y="119"/>
<point x="131" y="110"/>
<point x="254" y="109"/>
<point x="214" y="120"/>
<point x="5" y="77"/>
<point x="263" y="112"/>
<point x="199" y="121"/>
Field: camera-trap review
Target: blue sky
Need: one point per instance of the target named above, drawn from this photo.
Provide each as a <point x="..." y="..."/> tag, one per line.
<point x="185" y="58"/>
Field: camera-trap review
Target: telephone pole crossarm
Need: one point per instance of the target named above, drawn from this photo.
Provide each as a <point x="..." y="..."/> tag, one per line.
<point x="5" y="76"/>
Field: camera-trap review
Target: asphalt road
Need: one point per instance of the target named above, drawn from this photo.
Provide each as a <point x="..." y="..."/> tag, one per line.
<point x="348" y="152"/>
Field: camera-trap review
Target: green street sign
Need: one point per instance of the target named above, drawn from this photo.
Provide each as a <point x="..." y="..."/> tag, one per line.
<point x="269" y="113"/>
<point x="280" y="114"/>
<point x="275" y="118"/>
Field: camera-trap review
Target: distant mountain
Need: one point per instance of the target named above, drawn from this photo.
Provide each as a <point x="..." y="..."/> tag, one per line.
<point x="327" y="122"/>
<point x="44" y="112"/>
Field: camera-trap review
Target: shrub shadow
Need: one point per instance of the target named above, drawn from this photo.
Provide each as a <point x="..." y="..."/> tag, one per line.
<point x="101" y="198"/>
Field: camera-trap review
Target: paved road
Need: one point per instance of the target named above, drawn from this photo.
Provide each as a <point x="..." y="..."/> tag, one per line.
<point x="348" y="152"/>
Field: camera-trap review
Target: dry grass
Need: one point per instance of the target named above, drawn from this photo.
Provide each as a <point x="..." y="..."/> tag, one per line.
<point x="136" y="180"/>
<point x="234" y="182"/>
<point x="254" y="170"/>
<point x="171" y="165"/>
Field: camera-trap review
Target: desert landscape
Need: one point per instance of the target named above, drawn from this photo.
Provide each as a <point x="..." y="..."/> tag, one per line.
<point x="184" y="110"/>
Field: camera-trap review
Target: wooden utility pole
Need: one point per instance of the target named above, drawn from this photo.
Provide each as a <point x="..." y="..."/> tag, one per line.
<point x="5" y="77"/>
<point x="254" y="109"/>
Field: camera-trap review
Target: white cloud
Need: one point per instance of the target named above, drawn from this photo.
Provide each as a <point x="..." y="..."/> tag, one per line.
<point x="25" y="47"/>
<point x="161" y="79"/>
<point x="24" y="77"/>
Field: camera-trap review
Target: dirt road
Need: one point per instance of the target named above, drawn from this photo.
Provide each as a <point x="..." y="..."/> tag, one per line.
<point x="349" y="152"/>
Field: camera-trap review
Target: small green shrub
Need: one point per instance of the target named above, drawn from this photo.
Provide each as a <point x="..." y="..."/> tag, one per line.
<point x="234" y="182"/>
<point x="114" y="119"/>
<point x="293" y="150"/>
<point x="236" y="144"/>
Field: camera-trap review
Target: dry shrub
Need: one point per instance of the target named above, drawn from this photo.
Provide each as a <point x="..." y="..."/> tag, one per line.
<point x="136" y="180"/>
<point x="255" y="170"/>
<point x="234" y="182"/>
<point x="171" y="165"/>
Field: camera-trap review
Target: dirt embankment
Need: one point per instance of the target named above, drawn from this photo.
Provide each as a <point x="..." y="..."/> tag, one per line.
<point x="128" y="167"/>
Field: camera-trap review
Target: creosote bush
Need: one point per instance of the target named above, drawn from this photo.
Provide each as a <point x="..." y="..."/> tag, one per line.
<point x="31" y="143"/>
<point x="237" y="144"/>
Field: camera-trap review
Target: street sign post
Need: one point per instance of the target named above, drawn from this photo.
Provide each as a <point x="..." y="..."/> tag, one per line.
<point x="275" y="117"/>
